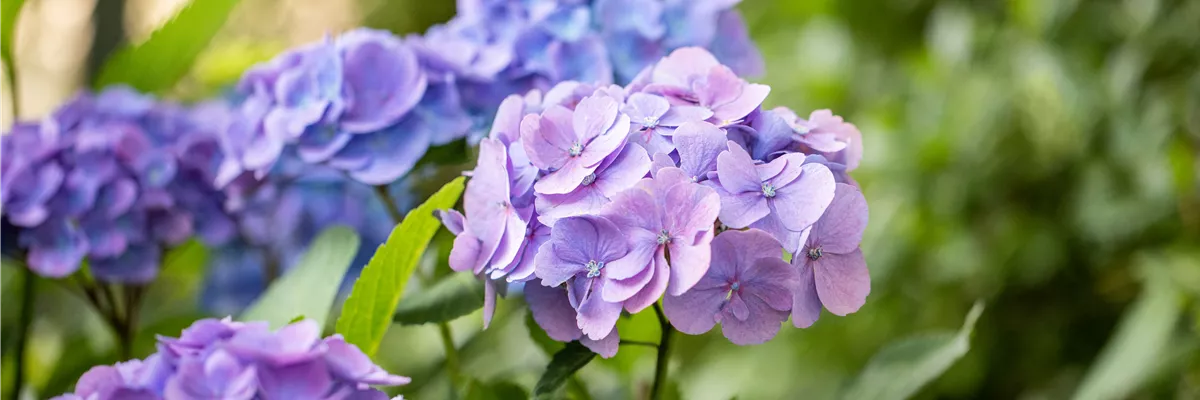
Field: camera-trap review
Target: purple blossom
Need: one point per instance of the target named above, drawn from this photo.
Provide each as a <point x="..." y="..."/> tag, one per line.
<point x="230" y="360"/>
<point x="666" y="216"/>
<point x="826" y="134"/>
<point x="693" y="76"/>
<point x="747" y="290"/>
<point x="655" y="120"/>
<point x="552" y="310"/>
<point x="783" y="197"/>
<point x="614" y="175"/>
<point x="572" y="144"/>
<point x="576" y="255"/>
<point x="832" y="271"/>
<point x="699" y="144"/>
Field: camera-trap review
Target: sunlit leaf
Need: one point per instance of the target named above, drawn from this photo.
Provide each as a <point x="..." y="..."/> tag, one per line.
<point x="452" y="297"/>
<point x="902" y="368"/>
<point x="157" y="63"/>
<point x="495" y="391"/>
<point x="367" y="313"/>
<point x="564" y="364"/>
<point x="311" y="285"/>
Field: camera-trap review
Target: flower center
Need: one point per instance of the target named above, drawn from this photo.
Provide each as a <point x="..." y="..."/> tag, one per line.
<point x="735" y="286"/>
<point x="594" y="267"/>
<point x="815" y="253"/>
<point x="589" y="179"/>
<point x="664" y="237"/>
<point x="768" y="190"/>
<point x="649" y="123"/>
<point x="576" y="150"/>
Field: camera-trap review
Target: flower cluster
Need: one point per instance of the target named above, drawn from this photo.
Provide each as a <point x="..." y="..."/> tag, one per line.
<point x="370" y="104"/>
<point x="222" y="359"/>
<point x="114" y="177"/>
<point x="604" y="198"/>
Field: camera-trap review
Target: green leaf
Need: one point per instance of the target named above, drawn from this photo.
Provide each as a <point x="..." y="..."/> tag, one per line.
<point x="155" y="65"/>
<point x="9" y="10"/>
<point x="564" y="364"/>
<point x="902" y="368"/>
<point x="311" y="285"/>
<point x="1140" y="345"/>
<point x="367" y="313"/>
<point x="450" y="298"/>
<point x="495" y="391"/>
<point x="176" y="290"/>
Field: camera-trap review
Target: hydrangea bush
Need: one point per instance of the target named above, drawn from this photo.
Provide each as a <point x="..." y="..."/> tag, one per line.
<point x="678" y="186"/>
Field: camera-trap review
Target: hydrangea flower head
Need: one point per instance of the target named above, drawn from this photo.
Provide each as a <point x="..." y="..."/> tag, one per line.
<point x="230" y="360"/>
<point x="833" y="273"/>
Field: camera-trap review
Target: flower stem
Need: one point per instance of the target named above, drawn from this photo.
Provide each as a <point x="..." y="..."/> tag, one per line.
<point x="26" y="320"/>
<point x="664" y="354"/>
<point x="452" y="363"/>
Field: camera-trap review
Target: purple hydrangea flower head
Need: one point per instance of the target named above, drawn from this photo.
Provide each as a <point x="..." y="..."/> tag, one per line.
<point x="552" y="310"/>
<point x="826" y="134"/>
<point x="747" y="290"/>
<point x="783" y="197"/>
<point x="691" y="75"/>
<point x="832" y="271"/>
<point x="572" y="144"/>
<point x="230" y="360"/>
<point x="661" y="217"/>
<point x="576" y="255"/>
<point x="655" y="120"/>
<point x="383" y="80"/>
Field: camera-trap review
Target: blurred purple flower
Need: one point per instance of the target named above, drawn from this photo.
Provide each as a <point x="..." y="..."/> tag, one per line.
<point x="826" y="134"/>
<point x="747" y="290"/>
<point x="691" y="75"/>
<point x="832" y="271"/>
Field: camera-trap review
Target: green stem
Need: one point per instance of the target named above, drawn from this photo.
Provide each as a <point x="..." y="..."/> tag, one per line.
<point x="11" y="76"/>
<point x="452" y="363"/>
<point x="26" y="320"/>
<point x="664" y="354"/>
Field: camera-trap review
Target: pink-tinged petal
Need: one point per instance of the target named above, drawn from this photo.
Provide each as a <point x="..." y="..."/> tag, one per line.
<point x="695" y="311"/>
<point x="771" y="280"/>
<point x="464" y="256"/>
<point x="606" y="347"/>
<point x="719" y="87"/>
<point x="452" y="219"/>
<point x="546" y="139"/>
<point x="661" y="161"/>
<point x="843" y="281"/>
<point x="743" y="209"/>
<point x="489" y="301"/>
<point x="790" y="240"/>
<point x="619" y="290"/>
<point x="489" y="185"/>
<point x="679" y="67"/>
<point x="782" y="171"/>
<point x="749" y="246"/>
<point x="654" y="289"/>
<point x="760" y="324"/>
<point x="691" y="208"/>
<point x="566" y="179"/>
<point x="723" y="267"/>
<point x="510" y="243"/>
<point x="593" y="117"/>
<point x="629" y="167"/>
<point x="634" y="208"/>
<point x="689" y="263"/>
<point x="752" y="96"/>
<point x="840" y="229"/>
<point x="737" y="171"/>
<point x="646" y="108"/>
<point x="553" y="270"/>
<point x="606" y="144"/>
<point x="527" y="264"/>
<point x="584" y="200"/>
<point x="552" y="311"/>
<point x="643" y="245"/>
<point x="597" y="317"/>
<point x="806" y="304"/>
<point x="802" y="202"/>
<point x="699" y="145"/>
<point x="679" y="115"/>
<point x="507" y="125"/>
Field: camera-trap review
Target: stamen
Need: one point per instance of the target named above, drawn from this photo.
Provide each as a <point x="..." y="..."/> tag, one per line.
<point x="768" y="190"/>
<point x="815" y="253"/>
<point x="589" y="179"/>
<point x="664" y="237"/>
<point x="594" y="267"/>
<point x="576" y="150"/>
